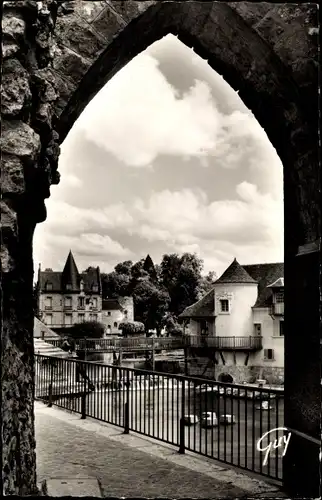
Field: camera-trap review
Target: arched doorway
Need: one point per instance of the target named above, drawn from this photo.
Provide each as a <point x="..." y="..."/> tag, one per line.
<point x="275" y="90"/>
<point x="226" y="378"/>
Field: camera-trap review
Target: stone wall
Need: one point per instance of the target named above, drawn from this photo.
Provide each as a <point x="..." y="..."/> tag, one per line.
<point x="56" y="56"/>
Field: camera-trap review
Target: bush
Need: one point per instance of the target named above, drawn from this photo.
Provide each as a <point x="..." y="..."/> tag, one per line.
<point x="131" y="328"/>
<point x="88" y="329"/>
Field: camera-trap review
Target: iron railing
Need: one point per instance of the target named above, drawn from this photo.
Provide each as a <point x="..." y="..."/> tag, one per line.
<point x="172" y="409"/>
<point x="167" y="343"/>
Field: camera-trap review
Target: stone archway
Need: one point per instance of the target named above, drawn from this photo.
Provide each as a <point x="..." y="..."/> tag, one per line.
<point x="225" y="377"/>
<point x="56" y="57"/>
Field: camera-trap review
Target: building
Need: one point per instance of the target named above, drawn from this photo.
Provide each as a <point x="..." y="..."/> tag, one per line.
<point x="69" y="297"/>
<point x="242" y="318"/>
<point x="115" y="312"/>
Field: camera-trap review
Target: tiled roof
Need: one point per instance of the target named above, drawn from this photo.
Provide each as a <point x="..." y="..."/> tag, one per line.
<point x="53" y="277"/>
<point x="265" y="274"/>
<point x="41" y="329"/>
<point x="235" y="273"/>
<point x="277" y="284"/>
<point x="204" y="308"/>
<point x="111" y="305"/>
<point x="70" y="274"/>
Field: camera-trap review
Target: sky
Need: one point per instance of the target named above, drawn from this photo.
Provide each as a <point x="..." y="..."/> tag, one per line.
<point x="166" y="158"/>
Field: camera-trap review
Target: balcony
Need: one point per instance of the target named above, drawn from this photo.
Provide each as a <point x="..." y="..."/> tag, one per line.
<point x="48" y="308"/>
<point x="250" y="343"/>
<point x="68" y="308"/>
<point x="278" y="309"/>
<point x="82" y="308"/>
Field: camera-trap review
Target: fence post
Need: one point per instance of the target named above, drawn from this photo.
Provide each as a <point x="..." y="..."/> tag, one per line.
<point x="127" y="405"/>
<point x="182" y="446"/>
<point x="50" y="388"/>
<point x="83" y="402"/>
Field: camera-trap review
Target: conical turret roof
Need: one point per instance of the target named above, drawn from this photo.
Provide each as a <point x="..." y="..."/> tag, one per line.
<point x="70" y="274"/>
<point x="235" y="273"/>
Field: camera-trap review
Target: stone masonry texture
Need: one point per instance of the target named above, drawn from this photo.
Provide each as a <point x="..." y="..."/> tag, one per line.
<point x="56" y="56"/>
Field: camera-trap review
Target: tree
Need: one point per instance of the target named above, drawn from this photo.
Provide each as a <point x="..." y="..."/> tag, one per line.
<point x="181" y="276"/>
<point x="115" y="284"/>
<point x="131" y="328"/>
<point x="124" y="267"/>
<point x="150" y="303"/>
<point x="148" y="267"/>
<point x="89" y="329"/>
<point x="206" y="284"/>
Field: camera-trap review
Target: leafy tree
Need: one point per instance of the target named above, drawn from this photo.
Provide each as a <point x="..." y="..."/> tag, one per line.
<point x="115" y="284"/>
<point x="124" y="267"/>
<point x="172" y="327"/>
<point x="88" y="329"/>
<point x="181" y="276"/>
<point x="150" y="304"/>
<point x="131" y="328"/>
<point x="206" y="284"/>
<point x="149" y="267"/>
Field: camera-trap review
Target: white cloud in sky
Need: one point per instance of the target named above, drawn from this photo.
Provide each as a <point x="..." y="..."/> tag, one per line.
<point x="148" y="117"/>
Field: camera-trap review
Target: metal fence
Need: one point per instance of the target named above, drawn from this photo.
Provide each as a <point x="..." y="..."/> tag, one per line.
<point x="220" y="421"/>
<point x="145" y="343"/>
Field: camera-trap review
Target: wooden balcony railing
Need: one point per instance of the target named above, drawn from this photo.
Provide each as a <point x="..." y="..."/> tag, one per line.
<point x="167" y="343"/>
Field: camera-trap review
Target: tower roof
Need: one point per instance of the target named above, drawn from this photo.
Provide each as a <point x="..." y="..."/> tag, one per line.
<point x="70" y="274"/>
<point x="235" y="273"/>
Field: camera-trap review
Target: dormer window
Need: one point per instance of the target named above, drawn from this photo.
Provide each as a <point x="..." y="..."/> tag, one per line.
<point x="49" y="285"/>
<point x="68" y="286"/>
<point x="279" y="296"/>
<point x="95" y="288"/>
<point x="82" y="286"/>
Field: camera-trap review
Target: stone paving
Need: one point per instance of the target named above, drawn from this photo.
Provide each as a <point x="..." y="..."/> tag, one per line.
<point x="129" y="465"/>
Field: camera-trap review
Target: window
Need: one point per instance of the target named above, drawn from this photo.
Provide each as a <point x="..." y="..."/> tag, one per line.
<point x="49" y="319"/>
<point x="93" y="317"/>
<point x="109" y="313"/>
<point x="49" y="285"/>
<point x="48" y="303"/>
<point x="68" y="319"/>
<point x="81" y="318"/>
<point x="281" y="328"/>
<point x="95" y="288"/>
<point x="268" y="354"/>
<point x="258" y="329"/>
<point x="68" y="286"/>
<point x="68" y="302"/>
<point x="94" y="302"/>
<point x="224" y="305"/>
<point x="81" y="302"/>
<point x="279" y="297"/>
<point x="115" y="324"/>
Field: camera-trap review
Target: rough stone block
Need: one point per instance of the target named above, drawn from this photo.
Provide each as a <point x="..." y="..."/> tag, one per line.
<point x="75" y="33"/>
<point x="108" y="23"/>
<point x="15" y="87"/>
<point x="129" y="9"/>
<point x="12" y="175"/>
<point x="69" y="64"/>
<point x="19" y="139"/>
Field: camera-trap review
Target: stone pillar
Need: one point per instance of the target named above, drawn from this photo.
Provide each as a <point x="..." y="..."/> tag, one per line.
<point x="28" y="166"/>
<point x="302" y="403"/>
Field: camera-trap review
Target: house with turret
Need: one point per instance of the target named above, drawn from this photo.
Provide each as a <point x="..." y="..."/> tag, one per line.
<point x="69" y="297"/>
<point x="241" y="320"/>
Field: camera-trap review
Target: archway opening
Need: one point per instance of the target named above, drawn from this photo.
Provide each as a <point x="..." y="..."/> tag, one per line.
<point x="226" y="378"/>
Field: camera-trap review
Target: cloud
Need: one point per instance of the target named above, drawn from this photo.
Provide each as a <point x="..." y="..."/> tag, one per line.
<point x="141" y="120"/>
